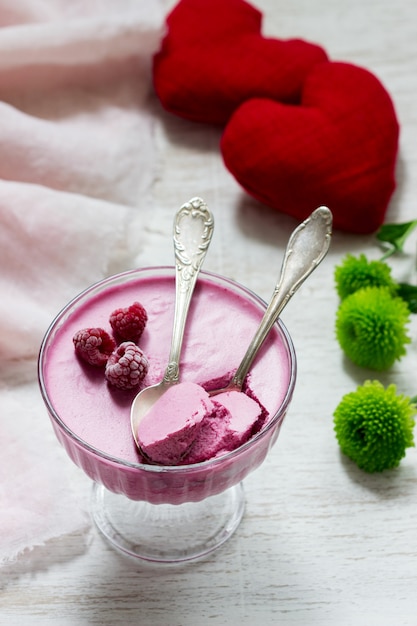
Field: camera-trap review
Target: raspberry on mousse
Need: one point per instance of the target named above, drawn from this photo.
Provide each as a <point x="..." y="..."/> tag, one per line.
<point x="94" y="345"/>
<point x="127" y="366"/>
<point x="129" y="322"/>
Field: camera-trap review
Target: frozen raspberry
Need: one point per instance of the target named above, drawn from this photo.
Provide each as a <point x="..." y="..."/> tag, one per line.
<point x="129" y="323"/>
<point x="126" y="366"/>
<point x="94" y="345"/>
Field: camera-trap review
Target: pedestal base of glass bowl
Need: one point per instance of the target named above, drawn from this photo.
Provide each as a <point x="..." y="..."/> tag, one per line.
<point x="167" y="533"/>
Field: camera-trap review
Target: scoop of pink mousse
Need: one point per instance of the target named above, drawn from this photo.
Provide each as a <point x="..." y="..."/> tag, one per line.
<point x="230" y="424"/>
<point x="170" y="427"/>
<point x="186" y="426"/>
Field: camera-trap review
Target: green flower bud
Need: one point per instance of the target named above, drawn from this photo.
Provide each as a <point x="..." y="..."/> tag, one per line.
<point x="374" y="426"/>
<point x="355" y="273"/>
<point x="370" y="327"/>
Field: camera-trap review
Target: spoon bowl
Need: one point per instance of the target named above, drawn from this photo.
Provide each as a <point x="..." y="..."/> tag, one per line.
<point x="193" y="230"/>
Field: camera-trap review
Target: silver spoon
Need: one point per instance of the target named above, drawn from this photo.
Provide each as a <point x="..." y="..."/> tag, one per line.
<point x="193" y="230"/>
<point x="306" y="248"/>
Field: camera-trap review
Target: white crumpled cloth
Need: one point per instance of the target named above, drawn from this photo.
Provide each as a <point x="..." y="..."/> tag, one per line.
<point x="76" y="161"/>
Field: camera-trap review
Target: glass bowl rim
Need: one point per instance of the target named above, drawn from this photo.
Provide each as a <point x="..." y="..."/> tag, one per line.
<point x="213" y="462"/>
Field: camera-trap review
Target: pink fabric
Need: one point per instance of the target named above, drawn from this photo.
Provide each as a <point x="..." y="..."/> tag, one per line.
<point x="76" y="160"/>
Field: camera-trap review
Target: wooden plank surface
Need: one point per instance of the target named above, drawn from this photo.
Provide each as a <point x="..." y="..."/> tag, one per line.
<point x="321" y="543"/>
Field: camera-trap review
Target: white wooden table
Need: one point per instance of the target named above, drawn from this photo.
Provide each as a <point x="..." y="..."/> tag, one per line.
<point x="321" y="543"/>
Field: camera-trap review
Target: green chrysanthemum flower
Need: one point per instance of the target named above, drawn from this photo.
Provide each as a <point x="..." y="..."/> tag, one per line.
<point x="355" y="273"/>
<point x="374" y="426"/>
<point x="370" y="327"/>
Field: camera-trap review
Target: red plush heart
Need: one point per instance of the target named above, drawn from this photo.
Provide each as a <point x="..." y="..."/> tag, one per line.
<point x="214" y="57"/>
<point x="338" y="148"/>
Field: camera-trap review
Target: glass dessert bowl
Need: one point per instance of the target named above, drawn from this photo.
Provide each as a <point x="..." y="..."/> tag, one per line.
<point x="164" y="513"/>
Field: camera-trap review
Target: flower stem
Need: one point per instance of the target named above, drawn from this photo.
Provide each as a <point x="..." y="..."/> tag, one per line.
<point x="391" y="250"/>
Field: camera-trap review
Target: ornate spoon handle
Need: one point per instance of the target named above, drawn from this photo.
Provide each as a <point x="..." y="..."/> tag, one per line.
<point x="193" y="230"/>
<point x="306" y="248"/>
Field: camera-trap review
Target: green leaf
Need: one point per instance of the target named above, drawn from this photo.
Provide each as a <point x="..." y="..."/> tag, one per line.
<point x="409" y="294"/>
<point x="395" y="235"/>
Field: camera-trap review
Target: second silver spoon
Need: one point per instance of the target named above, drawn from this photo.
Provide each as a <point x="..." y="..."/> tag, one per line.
<point x="306" y="248"/>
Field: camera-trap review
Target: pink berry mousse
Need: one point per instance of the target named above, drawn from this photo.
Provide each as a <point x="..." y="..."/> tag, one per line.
<point x="220" y="324"/>
<point x="186" y="426"/>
